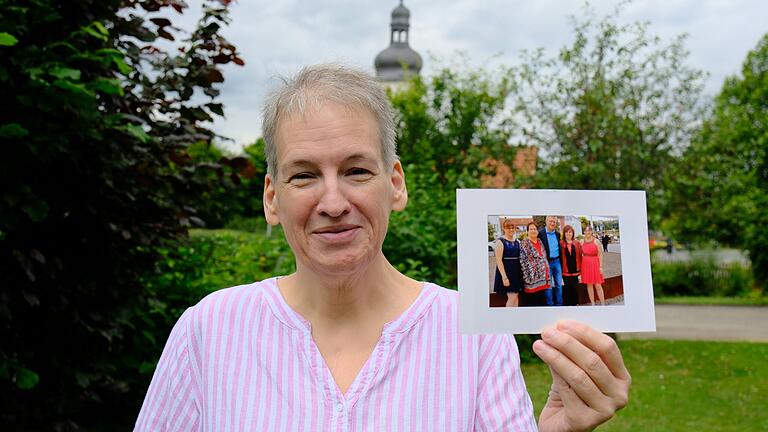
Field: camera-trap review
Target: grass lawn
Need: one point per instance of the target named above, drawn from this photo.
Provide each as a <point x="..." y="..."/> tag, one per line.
<point x="684" y="386"/>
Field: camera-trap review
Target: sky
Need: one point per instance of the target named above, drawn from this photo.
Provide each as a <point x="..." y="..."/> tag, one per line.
<point x="278" y="37"/>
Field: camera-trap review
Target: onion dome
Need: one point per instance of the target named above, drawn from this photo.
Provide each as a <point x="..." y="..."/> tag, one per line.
<point x="398" y="59"/>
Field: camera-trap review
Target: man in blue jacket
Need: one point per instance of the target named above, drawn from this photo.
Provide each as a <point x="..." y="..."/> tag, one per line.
<point x="551" y="239"/>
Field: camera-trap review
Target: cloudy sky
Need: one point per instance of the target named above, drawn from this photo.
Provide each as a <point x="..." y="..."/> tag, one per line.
<point x="278" y="37"/>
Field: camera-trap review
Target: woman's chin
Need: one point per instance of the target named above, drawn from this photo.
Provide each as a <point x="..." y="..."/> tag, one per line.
<point x="341" y="266"/>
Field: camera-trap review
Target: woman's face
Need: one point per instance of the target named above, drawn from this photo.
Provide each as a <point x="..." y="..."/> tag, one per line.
<point x="588" y="233"/>
<point x="333" y="194"/>
<point x="509" y="231"/>
<point x="533" y="233"/>
<point x="569" y="235"/>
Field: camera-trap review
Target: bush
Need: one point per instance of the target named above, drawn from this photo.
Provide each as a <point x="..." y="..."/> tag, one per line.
<point x="249" y="224"/>
<point x="213" y="259"/>
<point x="207" y="261"/>
<point x="701" y="277"/>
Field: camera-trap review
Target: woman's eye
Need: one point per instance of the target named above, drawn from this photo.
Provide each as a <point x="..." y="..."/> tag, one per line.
<point x="300" y="177"/>
<point x="359" y="172"/>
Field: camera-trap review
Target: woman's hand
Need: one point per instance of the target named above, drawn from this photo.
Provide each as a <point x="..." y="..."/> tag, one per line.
<point x="505" y="281"/>
<point x="589" y="380"/>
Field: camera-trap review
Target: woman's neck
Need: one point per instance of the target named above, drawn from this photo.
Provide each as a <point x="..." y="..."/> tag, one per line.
<point x="379" y="292"/>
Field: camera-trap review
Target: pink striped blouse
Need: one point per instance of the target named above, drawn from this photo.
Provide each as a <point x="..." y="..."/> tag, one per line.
<point x="243" y="360"/>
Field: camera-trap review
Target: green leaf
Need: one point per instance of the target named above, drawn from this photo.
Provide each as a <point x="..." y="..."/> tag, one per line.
<point x="100" y="27"/>
<point x="109" y="86"/>
<point x="26" y="379"/>
<point x="137" y="131"/>
<point x="150" y="337"/>
<point x="117" y="58"/>
<point x="122" y="66"/>
<point x="65" y="73"/>
<point x="7" y="39"/>
<point x="13" y="130"/>
<point x="74" y="88"/>
<point x="147" y="367"/>
<point x="97" y="30"/>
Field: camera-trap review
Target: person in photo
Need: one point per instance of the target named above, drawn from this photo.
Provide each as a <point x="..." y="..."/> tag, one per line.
<point x="571" y="264"/>
<point x="550" y="239"/>
<point x="509" y="278"/>
<point x="592" y="266"/>
<point x="535" y="267"/>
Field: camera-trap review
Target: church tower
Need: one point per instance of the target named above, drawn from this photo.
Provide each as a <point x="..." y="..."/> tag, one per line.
<point x="398" y="61"/>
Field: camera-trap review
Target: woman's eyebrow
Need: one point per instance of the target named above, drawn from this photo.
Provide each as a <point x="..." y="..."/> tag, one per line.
<point x="360" y="157"/>
<point x="299" y="163"/>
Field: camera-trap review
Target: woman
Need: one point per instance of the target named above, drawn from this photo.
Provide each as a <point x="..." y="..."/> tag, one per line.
<point x="535" y="267"/>
<point x="571" y="264"/>
<point x="592" y="266"/>
<point x="509" y="278"/>
<point x="347" y="342"/>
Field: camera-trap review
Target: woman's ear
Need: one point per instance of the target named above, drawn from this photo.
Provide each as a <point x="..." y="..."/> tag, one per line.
<point x="400" y="192"/>
<point x="270" y="201"/>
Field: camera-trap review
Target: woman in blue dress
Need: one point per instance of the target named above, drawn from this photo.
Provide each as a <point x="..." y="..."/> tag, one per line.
<point x="509" y="277"/>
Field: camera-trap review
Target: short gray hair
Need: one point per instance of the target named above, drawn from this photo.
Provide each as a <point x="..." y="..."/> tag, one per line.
<point x="328" y="82"/>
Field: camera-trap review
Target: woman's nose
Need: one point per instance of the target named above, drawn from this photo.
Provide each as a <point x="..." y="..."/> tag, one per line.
<point x="333" y="201"/>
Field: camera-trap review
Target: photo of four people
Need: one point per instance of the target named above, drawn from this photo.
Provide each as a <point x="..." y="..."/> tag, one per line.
<point x="552" y="260"/>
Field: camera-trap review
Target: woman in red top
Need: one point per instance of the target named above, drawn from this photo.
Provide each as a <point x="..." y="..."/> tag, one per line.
<point x="570" y="259"/>
<point x="592" y="266"/>
<point x="535" y="267"/>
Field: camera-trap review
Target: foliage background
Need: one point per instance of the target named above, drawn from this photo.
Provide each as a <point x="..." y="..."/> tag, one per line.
<point x="96" y="183"/>
<point x="718" y="191"/>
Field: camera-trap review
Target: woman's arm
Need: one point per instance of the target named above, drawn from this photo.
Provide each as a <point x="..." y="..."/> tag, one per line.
<point x="600" y="256"/>
<point x="498" y="249"/>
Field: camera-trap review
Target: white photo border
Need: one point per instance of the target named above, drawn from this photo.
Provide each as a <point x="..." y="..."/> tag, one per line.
<point x="473" y="206"/>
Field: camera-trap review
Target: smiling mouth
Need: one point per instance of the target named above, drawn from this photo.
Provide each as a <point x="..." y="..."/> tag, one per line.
<point x="338" y="233"/>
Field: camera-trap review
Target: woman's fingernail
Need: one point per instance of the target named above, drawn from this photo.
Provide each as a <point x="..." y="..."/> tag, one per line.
<point x="540" y="347"/>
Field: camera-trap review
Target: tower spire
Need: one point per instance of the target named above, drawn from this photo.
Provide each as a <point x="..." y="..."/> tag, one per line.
<point x="397" y="60"/>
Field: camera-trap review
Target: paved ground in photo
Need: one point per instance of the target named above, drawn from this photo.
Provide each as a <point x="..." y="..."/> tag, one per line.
<point x="713" y="323"/>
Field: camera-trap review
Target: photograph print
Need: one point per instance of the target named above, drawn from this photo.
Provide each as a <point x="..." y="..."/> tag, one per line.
<point x="528" y="258"/>
<point x="554" y="260"/>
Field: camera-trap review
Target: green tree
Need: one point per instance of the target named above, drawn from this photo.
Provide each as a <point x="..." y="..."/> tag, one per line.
<point x="584" y="222"/>
<point x="95" y="180"/>
<point x="448" y="125"/>
<point x="719" y="189"/>
<point x="611" y="110"/>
